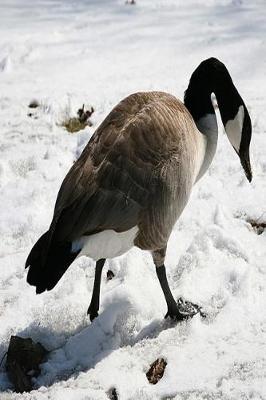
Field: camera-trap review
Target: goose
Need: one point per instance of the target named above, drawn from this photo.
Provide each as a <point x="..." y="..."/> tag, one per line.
<point x="134" y="178"/>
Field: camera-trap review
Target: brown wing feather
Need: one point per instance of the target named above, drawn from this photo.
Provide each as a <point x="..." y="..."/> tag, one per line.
<point x="105" y="188"/>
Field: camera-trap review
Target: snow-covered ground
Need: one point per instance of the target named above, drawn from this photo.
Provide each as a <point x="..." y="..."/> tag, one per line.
<point x="68" y="52"/>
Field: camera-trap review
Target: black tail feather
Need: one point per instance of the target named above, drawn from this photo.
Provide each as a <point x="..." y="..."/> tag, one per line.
<point x="47" y="262"/>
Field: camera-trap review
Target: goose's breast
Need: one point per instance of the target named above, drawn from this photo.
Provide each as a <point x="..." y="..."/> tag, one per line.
<point x="200" y="157"/>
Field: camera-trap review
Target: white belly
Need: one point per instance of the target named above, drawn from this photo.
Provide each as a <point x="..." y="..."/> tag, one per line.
<point x="106" y="244"/>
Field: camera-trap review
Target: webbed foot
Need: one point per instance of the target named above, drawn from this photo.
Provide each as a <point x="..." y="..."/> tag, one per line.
<point x="183" y="310"/>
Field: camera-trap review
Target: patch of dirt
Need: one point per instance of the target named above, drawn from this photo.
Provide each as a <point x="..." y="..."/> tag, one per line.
<point x="76" y="124"/>
<point x="258" y="226"/>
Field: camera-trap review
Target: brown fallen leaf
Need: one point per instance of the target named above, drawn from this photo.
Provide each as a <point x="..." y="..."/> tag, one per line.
<point x="156" y="371"/>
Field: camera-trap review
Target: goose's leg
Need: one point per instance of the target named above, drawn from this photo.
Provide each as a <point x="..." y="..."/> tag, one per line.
<point x="180" y="311"/>
<point x="95" y="299"/>
<point x="172" y="311"/>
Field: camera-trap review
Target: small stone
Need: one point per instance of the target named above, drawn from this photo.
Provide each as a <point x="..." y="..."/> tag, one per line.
<point x="156" y="371"/>
<point x="110" y="275"/>
<point x="34" y="104"/>
<point x="32" y="115"/>
<point x="23" y="360"/>
<point x="112" y="394"/>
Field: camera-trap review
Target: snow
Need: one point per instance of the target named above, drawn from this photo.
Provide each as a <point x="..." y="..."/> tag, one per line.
<point x="64" y="54"/>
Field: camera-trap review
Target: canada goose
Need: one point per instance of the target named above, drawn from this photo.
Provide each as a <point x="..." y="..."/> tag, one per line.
<point x="134" y="177"/>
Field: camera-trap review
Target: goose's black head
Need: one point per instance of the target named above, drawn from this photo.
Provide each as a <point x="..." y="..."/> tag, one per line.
<point x="212" y="76"/>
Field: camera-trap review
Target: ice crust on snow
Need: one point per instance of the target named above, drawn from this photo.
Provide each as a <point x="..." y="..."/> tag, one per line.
<point x="64" y="54"/>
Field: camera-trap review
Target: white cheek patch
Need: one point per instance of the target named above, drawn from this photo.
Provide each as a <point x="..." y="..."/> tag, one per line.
<point x="233" y="128"/>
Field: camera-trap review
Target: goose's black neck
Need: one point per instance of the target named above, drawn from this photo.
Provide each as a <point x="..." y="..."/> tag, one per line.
<point x="198" y="102"/>
<point x="211" y="76"/>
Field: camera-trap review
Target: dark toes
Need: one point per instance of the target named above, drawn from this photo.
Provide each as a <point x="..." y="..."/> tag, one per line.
<point x="183" y="310"/>
<point x="187" y="308"/>
<point x="93" y="316"/>
<point x="92" y="313"/>
<point x="175" y="314"/>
